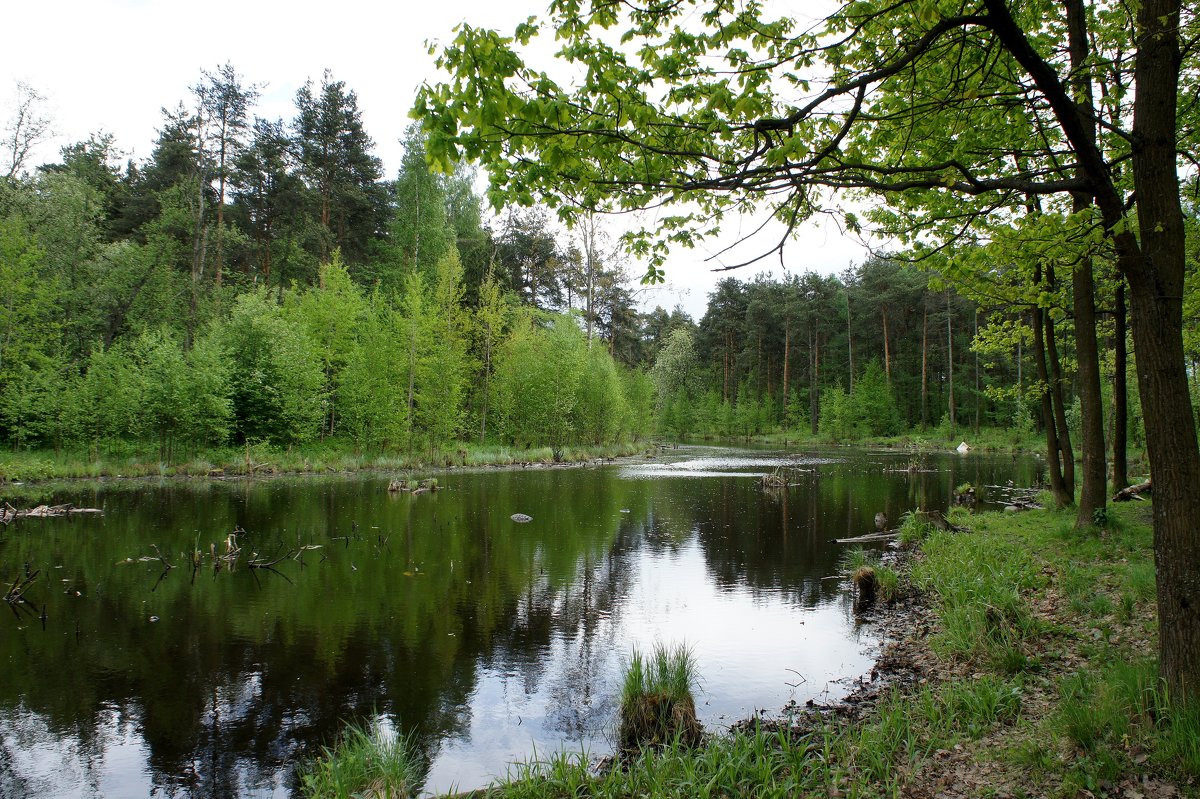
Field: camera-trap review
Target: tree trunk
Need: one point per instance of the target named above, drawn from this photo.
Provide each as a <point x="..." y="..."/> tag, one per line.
<point x="787" y="346"/>
<point x="950" y="364"/>
<point x="925" y="368"/>
<point x="1093" y="496"/>
<point x="1156" y="281"/>
<point x="1062" y="496"/>
<point x="887" y="359"/>
<point x="1120" y="398"/>
<point x="814" y="357"/>
<point x="1058" y="401"/>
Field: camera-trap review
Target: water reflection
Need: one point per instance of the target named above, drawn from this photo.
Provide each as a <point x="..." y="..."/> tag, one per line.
<point x="482" y="637"/>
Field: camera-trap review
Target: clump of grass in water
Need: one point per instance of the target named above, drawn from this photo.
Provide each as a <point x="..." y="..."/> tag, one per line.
<point x="364" y="763"/>
<point x="657" y="703"/>
<point x="871" y="578"/>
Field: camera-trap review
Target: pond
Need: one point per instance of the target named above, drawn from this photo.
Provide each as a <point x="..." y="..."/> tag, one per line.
<point x="435" y="614"/>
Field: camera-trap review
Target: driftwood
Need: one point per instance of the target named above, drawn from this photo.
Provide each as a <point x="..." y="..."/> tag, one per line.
<point x="413" y="486"/>
<point x="8" y="513"/>
<point x="887" y="535"/>
<point x="1133" y="492"/>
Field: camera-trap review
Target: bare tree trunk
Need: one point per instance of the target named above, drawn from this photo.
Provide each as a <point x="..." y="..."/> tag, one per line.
<point x="814" y="380"/>
<point x="787" y="344"/>
<point x="1156" y="282"/>
<point x="1062" y="496"/>
<point x="849" y="341"/>
<point x="1093" y="496"/>
<point x="950" y="365"/>
<point x="1120" y="399"/>
<point x="887" y="360"/>
<point x="1058" y="398"/>
<point x="925" y="368"/>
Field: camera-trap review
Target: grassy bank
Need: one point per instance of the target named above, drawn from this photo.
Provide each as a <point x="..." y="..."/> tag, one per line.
<point x="264" y="459"/>
<point x="988" y="439"/>
<point x="1030" y="672"/>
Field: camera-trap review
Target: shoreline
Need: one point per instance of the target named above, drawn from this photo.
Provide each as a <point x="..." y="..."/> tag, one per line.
<point x="1020" y="662"/>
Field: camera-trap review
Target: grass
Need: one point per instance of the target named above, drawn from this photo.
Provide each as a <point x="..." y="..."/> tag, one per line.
<point x="913" y="531"/>
<point x="871" y="578"/>
<point x="366" y="763"/>
<point x="129" y="460"/>
<point x="987" y="439"/>
<point x="657" y="700"/>
<point x="982" y="586"/>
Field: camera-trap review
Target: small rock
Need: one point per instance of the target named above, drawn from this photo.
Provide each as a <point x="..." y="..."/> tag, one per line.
<point x="521" y="518"/>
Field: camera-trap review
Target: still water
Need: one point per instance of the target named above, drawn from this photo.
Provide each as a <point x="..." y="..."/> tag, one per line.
<point x="436" y="614"/>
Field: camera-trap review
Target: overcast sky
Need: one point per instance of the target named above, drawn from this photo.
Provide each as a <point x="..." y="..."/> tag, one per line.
<point x="112" y="65"/>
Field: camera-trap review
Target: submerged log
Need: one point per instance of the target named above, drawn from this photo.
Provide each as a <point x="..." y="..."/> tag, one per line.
<point x="1133" y="492"/>
<point x="9" y="513"/>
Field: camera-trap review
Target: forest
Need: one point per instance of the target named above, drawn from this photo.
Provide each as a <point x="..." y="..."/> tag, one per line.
<point x="256" y="281"/>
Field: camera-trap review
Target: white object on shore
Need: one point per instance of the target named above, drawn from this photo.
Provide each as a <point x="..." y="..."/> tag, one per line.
<point x="964" y="448"/>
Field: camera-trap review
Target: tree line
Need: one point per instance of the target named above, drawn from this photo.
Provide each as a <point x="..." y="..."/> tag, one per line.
<point x="261" y="281"/>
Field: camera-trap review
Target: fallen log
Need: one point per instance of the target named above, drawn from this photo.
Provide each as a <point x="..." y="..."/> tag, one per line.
<point x="8" y="513"/>
<point x="887" y="535"/>
<point x="1133" y="492"/>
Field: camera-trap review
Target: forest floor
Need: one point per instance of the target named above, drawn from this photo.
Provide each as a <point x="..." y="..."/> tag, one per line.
<point x="1018" y="661"/>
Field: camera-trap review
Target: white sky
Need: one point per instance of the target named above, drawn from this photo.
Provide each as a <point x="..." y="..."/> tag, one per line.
<point x="112" y="65"/>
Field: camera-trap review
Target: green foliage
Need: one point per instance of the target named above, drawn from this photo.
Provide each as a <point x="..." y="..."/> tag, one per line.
<point x="364" y="762"/>
<point x="869" y="410"/>
<point x="601" y="406"/>
<point x="374" y="409"/>
<point x="278" y="383"/>
<point x="637" y="390"/>
<point x="538" y="372"/>
<point x="442" y="369"/>
<point x="329" y="314"/>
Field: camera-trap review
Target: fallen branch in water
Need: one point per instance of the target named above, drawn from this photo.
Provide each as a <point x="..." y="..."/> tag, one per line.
<point x="258" y="563"/>
<point x="16" y="592"/>
<point x="8" y="513"/>
<point x="886" y="535"/>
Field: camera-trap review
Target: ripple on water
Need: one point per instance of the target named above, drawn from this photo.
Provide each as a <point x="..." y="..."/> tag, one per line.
<point x="723" y="466"/>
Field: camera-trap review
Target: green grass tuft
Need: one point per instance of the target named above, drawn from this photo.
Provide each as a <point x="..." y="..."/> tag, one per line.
<point x="364" y="763"/>
<point x="657" y="700"/>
